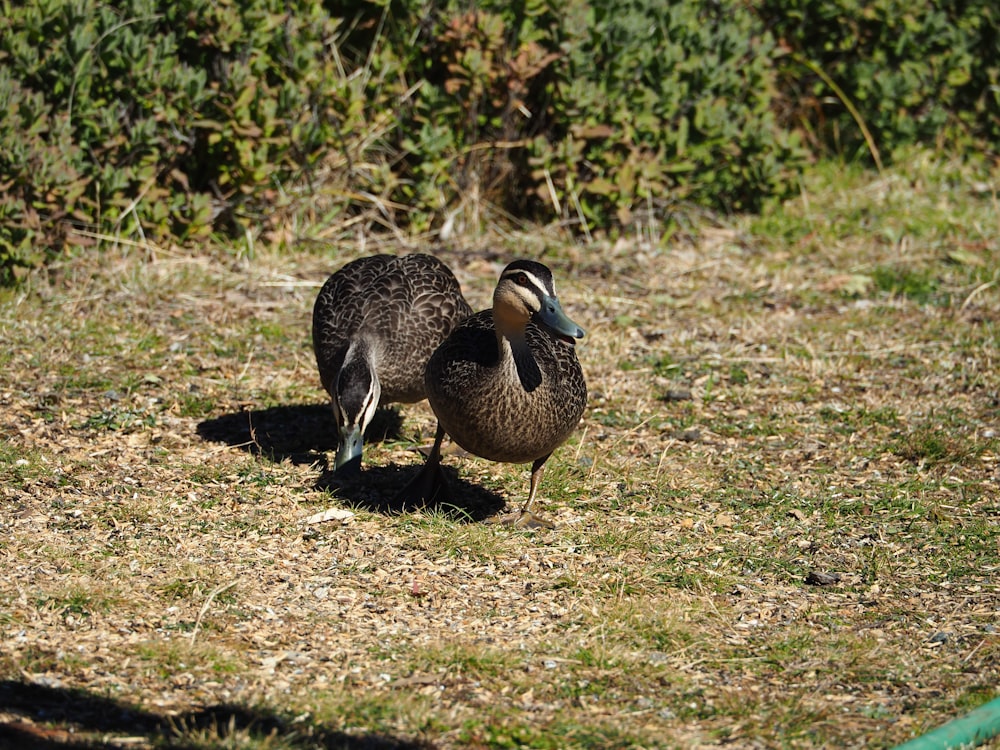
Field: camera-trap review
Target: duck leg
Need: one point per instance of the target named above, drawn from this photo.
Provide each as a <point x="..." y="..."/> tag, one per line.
<point x="429" y="482"/>
<point x="525" y="519"/>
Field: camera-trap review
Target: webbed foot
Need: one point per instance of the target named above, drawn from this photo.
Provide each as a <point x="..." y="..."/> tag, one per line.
<point x="522" y="519"/>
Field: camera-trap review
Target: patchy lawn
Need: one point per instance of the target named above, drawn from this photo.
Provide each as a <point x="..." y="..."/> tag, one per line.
<point x="779" y="521"/>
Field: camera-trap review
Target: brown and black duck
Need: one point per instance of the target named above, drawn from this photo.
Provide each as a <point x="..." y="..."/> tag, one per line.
<point x="375" y="323"/>
<point x="506" y="384"/>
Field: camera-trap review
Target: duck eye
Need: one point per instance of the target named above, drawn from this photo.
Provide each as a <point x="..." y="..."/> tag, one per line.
<point x="522" y="279"/>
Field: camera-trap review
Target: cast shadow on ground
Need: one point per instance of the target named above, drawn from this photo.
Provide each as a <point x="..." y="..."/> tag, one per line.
<point x="306" y="434"/>
<point x="302" y="434"/>
<point x="377" y="490"/>
<point x="38" y="717"/>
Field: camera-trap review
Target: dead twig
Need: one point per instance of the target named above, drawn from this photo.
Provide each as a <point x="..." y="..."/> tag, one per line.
<point x="208" y="602"/>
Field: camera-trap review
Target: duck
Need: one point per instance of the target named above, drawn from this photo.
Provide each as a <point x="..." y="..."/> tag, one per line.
<point x="506" y="385"/>
<point x="375" y="323"/>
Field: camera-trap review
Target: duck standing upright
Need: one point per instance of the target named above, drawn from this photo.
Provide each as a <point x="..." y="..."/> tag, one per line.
<point x="375" y="323"/>
<point x="506" y="384"/>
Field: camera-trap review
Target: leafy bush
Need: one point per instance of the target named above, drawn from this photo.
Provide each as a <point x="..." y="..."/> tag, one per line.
<point x="590" y="109"/>
<point x="166" y="121"/>
<point x="159" y="120"/>
<point x="663" y="101"/>
<point x="916" y="70"/>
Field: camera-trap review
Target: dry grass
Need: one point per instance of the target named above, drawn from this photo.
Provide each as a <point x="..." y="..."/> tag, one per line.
<point x="778" y="523"/>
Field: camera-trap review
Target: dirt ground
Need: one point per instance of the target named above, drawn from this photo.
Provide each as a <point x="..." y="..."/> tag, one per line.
<point x="777" y="523"/>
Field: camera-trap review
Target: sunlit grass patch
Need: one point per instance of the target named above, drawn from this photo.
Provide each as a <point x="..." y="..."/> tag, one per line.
<point x="18" y="462"/>
<point x="932" y="443"/>
<point x="168" y="658"/>
<point x="779" y="508"/>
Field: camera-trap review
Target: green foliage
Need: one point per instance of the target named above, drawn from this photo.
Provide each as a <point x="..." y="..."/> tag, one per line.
<point x="920" y="286"/>
<point x="167" y="121"/>
<point x="597" y="111"/>
<point x="117" y="418"/>
<point x="932" y="443"/>
<point x="922" y="71"/>
<point x="159" y="121"/>
<point x="480" y="85"/>
<point x="665" y="101"/>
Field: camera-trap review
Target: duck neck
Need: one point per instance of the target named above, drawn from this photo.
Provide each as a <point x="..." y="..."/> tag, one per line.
<point x="358" y="372"/>
<point x="360" y="352"/>
<point x="517" y="359"/>
<point x="358" y="388"/>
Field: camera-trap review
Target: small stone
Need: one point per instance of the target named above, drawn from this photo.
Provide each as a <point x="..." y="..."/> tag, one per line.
<point x="677" y="394"/>
<point x="658" y="657"/>
<point x="819" y="578"/>
<point x="692" y="435"/>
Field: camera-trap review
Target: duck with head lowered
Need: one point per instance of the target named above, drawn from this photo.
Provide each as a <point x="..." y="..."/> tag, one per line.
<point x="506" y="384"/>
<point x="375" y="323"/>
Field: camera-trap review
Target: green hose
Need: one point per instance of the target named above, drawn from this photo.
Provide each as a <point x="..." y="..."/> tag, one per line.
<point x="969" y="731"/>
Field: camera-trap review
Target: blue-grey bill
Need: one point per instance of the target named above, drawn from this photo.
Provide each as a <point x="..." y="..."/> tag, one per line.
<point x="348" y="459"/>
<point x="553" y="316"/>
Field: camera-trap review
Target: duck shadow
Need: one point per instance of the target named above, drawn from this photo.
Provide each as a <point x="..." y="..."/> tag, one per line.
<point x="377" y="489"/>
<point x="300" y="433"/>
<point x="42" y="717"/>
<point x="306" y="434"/>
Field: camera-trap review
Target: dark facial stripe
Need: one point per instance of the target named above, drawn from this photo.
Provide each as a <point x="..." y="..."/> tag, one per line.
<point x="528" y="281"/>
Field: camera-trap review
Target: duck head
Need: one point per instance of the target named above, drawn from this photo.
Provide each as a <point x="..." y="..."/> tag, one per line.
<point x="526" y="292"/>
<point x="357" y="393"/>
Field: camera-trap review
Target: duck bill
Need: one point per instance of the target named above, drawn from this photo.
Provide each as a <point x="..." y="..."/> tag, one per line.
<point x="553" y="316"/>
<point x="347" y="462"/>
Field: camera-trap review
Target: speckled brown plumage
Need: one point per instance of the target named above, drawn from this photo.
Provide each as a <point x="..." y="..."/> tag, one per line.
<point x="385" y="315"/>
<point x="506" y="383"/>
<point x="405" y="305"/>
<point x="484" y="403"/>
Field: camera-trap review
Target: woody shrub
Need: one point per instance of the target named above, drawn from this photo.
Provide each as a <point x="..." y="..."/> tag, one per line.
<point x="161" y="121"/>
<point x="920" y="71"/>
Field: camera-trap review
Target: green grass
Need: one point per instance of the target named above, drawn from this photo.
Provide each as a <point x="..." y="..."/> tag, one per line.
<point x="920" y="286"/>
<point x="196" y="406"/>
<point x="165" y="659"/>
<point x="808" y="391"/>
<point x="17" y="462"/>
<point x="119" y="418"/>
